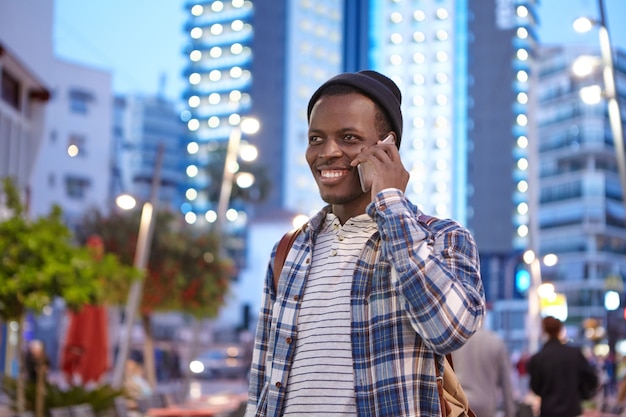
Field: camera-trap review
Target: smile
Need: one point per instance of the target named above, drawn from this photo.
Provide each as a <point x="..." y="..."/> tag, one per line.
<point x="335" y="173"/>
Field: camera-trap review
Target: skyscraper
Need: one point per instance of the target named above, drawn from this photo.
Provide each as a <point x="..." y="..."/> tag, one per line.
<point x="580" y="212"/>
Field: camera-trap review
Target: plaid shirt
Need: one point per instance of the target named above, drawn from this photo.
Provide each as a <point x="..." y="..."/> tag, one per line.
<point x="427" y="305"/>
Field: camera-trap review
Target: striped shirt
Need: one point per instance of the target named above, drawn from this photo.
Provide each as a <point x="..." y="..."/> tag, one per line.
<point x="322" y="380"/>
<point x="399" y="326"/>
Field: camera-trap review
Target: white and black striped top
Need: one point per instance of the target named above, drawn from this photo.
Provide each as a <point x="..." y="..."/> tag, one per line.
<point x="321" y="381"/>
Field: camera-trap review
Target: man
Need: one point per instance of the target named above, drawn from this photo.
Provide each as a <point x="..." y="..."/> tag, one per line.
<point x="373" y="292"/>
<point x="559" y="373"/>
<point x="483" y="367"/>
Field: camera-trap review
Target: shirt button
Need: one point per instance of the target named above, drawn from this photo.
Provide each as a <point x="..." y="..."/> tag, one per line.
<point x="289" y="340"/>
<point x="340" y="238"/>
<point x="307" y="261"/>
<point x="333" y="252"/>
<point x="278" y="385"/>
<point x="296" y="297"/>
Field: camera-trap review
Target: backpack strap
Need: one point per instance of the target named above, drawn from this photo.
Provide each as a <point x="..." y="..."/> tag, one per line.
<point x="445" y="407"/>
<point x="284" y="246"/>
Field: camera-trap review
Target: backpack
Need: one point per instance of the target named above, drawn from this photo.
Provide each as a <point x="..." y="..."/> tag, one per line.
<point x="452" y="399"/>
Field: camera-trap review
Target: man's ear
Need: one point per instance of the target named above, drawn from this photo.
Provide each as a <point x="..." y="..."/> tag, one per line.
<point x="395" y="139"/>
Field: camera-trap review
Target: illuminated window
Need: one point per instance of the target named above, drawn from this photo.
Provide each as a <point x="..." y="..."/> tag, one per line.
<point x="195" y="55"/>
<point x="419" y="58"/>
<point x="522" y="54"/>
<point x="194" y="101"/>
<point x="441" y="13"/>
<point x="196" y="33"/>
<point x="193" y="125"/>
<point x="214" y="98"/>
<point x="522" y="33"/>
<point x="215" y="52"/>
<point x="237" y="25"/>
<point x="76" y="145"/>
<point x="441" y="35"/>
<point x="217" y="29"/>
<point x="419" y="15"/>
<point x="396" y="38"/>
<point x="214" y="121"/>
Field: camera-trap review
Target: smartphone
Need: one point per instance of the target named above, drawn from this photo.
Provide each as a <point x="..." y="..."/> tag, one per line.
<point x="365" y="174"/>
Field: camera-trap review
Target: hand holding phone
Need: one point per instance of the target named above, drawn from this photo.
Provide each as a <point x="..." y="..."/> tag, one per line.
<point x="365" y="172"/>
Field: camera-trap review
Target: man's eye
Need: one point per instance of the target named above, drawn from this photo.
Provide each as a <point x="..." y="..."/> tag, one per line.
<point x="350" y="138"/>
<point x="314" y="139"/>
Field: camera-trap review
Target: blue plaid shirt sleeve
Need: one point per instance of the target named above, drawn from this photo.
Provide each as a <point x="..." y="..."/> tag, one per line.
<point x="437" y="271"/>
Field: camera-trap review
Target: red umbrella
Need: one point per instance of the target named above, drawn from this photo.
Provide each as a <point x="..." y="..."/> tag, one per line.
<point x="85" y="353"/>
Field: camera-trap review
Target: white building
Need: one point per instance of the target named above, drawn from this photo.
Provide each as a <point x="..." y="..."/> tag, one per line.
<point x="63" y="152"/>
<point x="73" y="165"/>
<point x="23" y="98"/>
<point x="24" y="50"/>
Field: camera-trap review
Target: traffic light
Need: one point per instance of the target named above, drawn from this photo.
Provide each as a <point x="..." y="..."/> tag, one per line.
<point x="522" y="280"/>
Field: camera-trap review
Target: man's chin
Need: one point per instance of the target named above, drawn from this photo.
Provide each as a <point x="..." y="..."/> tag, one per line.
<point x="333" y="198"/>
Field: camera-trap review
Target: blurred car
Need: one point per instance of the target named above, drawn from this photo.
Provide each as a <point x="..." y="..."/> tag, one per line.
<point x="227" y="362"/>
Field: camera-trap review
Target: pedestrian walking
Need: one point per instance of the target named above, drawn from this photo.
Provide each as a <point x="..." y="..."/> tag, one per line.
<point x="560" y="374"/>
<point x="483" y="367"/>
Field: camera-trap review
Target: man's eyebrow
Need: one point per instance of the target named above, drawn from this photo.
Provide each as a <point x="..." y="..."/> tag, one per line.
<point x="343" y="131"/>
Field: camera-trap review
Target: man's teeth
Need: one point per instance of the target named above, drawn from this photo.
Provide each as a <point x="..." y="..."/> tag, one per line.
<point x="332" y="174"/>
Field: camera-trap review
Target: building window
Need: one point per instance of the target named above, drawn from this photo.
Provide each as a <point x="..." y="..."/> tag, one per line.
<point x="76" y="187"/>
<point x="10" y="89"/>
<point x="79" y="101"/>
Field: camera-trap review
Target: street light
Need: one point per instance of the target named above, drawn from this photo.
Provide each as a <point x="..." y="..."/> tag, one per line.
<point x="534" y="295"/>
<point x="142" y="252"/>
<point x="613" y="107"/>
<point x="248" y="126"/>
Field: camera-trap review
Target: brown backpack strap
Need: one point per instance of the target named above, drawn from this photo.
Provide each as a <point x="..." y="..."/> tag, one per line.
<point x="284" y="245"/>
<point x="443" y="404"/>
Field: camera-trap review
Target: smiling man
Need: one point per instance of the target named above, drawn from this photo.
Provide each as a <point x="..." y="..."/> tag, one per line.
<point x="373" y="292"/>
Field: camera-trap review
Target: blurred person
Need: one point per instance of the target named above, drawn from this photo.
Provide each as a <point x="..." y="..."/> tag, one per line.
<point x="483" y="367"/>
<point x="373" y="292"/>
<point x="136" y="386"/>
<point x="522" y="388"/>
<point x="560" y="374"/>
<point x="36" y="361"/>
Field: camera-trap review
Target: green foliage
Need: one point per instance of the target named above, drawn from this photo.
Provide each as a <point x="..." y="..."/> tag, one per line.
<point x="39" y="262"/>
<point x="101" y="398"/>
<point x="184" y="270"/>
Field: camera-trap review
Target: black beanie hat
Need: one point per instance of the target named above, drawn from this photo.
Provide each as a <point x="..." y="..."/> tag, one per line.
<point x="374" y="85"/>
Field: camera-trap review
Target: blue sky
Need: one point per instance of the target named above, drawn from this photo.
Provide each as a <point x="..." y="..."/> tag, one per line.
<point x="139" y="41"/>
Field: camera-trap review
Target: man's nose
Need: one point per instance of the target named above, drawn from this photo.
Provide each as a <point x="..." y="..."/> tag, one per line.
<point x="330" y="149"/>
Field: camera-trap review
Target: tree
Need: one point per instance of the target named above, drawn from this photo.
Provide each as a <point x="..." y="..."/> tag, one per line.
<point x="184" y="271"/>
<point x="39" y="262"/>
